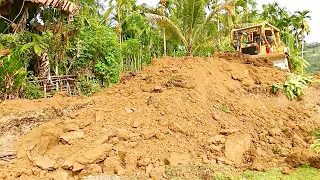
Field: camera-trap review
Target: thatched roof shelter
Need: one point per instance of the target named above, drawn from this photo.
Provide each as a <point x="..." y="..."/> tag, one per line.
<point x="64" y="5"/>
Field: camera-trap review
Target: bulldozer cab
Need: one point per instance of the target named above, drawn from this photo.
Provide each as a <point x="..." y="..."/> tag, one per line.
<point x="261" y="40"/>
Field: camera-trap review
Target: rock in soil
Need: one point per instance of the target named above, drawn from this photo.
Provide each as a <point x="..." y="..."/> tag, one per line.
<point x="68" y="137"/>
<point x="44" y="163"/>
<point x="158" y="89"/>
<point x="95" y="155"/>
<point x="149" y="169"/>
<point x="175" y="127"/>
<point x="176" y="159"/>
<point x="60" y="175"/>
<point x="235" y="147"/>
<point x="143" y="162"/>
<point x="77" y="167"/>
<point x="228" y="131"/>
<point x="92" y="169"/>
<point x="218" y="139"/>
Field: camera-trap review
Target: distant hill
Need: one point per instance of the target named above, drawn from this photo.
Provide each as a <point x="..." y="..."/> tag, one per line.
<point x="312" y="55"/>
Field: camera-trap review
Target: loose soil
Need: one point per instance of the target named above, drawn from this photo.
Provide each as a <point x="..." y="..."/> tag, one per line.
<point x="185" y="112"/>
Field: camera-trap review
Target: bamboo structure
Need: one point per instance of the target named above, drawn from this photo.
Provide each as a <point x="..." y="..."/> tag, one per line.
<point x="65" y="83"/>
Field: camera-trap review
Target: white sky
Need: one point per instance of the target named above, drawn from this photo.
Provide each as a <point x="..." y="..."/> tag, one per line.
<point x="291" y="5"/>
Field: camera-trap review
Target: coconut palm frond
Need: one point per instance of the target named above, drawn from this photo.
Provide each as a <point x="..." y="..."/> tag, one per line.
<point x="192" y="11"/>
<point x="228" y="6"/>
<point x="210" y="41"/>
<point x="164" y="22"/>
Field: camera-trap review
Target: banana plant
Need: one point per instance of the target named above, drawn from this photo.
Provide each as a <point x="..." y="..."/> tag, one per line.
<point x="295" y="84"/>
<point x="13" y="69"/>
<point x="298" y="63"/>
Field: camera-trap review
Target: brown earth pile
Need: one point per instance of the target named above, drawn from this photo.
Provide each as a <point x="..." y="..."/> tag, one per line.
<point x="176" y="112"/>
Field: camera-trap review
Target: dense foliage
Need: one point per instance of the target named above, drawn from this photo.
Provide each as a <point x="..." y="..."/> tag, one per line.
<point x="104" y="38"/>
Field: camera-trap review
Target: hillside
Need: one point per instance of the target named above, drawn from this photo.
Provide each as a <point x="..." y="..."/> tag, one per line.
<point x="185" y="113"/>
<point x="313" y="57"/>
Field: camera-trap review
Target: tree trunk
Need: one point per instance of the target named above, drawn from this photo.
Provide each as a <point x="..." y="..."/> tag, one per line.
<point x="297" y="41"/>
<point x="189" y="50"/>
<point x="44" y="66"/>
<point x="57" y="74"/>
<point x="164" y="42"/>
<point x="302" y="47"/>
<point x="219" y="36"/>
<point x="120" y="38"/>
<point x="247" y="12"/>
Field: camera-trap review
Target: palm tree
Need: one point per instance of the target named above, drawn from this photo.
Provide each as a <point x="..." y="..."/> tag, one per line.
<point x="247" y="6"/>
<point x="121" y="8"/>
<point x="163" y="7"/>
<point x="192" y="23"/>
<point x="279" y="17"/>
<point x="276" y="15"/>
<point x="301" y="26"/>
<point x="270" y="12"/>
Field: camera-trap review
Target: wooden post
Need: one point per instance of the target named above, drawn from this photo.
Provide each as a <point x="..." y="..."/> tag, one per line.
<point x="263" y="32"/>
<point x="68" y="88"/>
<point x="45" y="89"/>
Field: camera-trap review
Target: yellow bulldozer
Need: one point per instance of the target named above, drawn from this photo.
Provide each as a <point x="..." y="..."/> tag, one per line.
<point x="262" y="40"/>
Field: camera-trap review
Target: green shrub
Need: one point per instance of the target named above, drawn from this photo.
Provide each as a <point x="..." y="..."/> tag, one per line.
<point x="107" y="71"/>
<point x="9" y="41"/>
<point x="222" y="108"/>
<point x="316" y="133"/>
<point x="219" y="176"/>
<point x="23" y="48"/>
<point x="12" y="73"/>
<point x="32" y="91"/>
<point x="87" y="86"/>
<point x="100" y="49"/>
<point x="316" y="146"/>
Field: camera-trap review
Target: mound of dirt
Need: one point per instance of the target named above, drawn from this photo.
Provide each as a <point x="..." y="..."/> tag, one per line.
<point x="176" y="112"/>
<point x="256" y="60"/>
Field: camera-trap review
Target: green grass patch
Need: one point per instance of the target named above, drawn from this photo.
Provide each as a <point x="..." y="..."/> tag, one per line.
<point x="301" y="173"/>
<point x="222" y="108"/>
<point x="221" y="172"/>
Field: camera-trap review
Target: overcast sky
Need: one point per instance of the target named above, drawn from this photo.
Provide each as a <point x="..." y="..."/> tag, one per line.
<point x="292" y="5"/>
